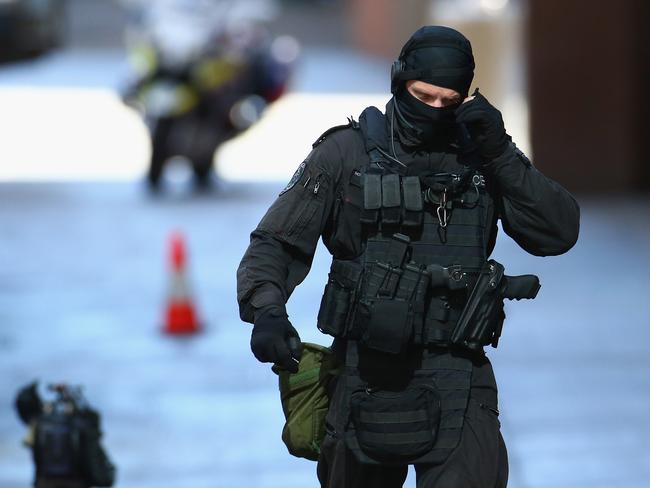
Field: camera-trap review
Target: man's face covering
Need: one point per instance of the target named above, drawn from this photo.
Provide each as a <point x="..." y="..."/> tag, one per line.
<point x="439" y="56"/>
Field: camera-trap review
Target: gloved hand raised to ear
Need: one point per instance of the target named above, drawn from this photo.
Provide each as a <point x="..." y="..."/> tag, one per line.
<point x="485" y="125"/>
<point x="274" y="340"/>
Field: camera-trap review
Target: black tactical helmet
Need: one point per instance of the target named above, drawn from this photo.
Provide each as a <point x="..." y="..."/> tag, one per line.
<point x="438" y="55"/>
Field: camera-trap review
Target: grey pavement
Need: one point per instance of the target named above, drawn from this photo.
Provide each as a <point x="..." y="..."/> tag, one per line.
<point x="82" y="288"/>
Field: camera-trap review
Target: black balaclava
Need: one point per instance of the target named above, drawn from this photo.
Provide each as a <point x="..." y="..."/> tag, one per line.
<point x="440" y="56"/>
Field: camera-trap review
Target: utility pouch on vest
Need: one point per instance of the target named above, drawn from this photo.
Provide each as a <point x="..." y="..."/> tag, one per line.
<point x="413" y="202"/>
<point x="396" y="427"/>
<point x="390" y="325"/>
<point x="339" y="297"/>
<point x="382" y="321"/>
<point x="392" y="307"/>
<point x="305" y="401"/>
<point x="391" y="199"/>
<point x="372" y="199"/>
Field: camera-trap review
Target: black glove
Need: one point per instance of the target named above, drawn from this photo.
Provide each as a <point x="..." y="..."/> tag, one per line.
<point x="485" y="126"/>
<point x="274" y="340"/>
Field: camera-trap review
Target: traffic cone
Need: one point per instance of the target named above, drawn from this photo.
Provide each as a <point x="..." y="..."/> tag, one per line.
<point x="180" y="315"/>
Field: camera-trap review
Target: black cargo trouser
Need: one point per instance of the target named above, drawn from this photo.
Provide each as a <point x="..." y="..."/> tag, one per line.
<point x="479" y="461"/>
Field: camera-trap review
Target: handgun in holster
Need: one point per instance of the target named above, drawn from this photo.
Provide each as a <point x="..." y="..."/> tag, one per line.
<point x="481" y="320"/>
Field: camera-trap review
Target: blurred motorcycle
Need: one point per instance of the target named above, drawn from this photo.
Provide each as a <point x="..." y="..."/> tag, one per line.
<point x="206" y="71"/>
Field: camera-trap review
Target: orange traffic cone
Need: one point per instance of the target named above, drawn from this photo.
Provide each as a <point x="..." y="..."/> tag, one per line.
<point x="180" y="316"/>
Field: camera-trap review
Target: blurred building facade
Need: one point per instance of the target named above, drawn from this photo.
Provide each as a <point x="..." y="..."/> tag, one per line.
<point x="584" y="67"/>
<point x="589" y="65"/>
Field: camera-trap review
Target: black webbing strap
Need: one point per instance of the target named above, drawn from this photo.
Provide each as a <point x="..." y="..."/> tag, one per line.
<point x="390" y="251"/>
<point x="396" y="438"/>
<point x="394" y="417"/>
<point x="397" y="249"/>
<point x="391" y="278"/>
<point x="435" y="335"/>
<point x="439" y="322"/>
<point x="438" y="310"/>
<point x="417" y="74"/>
<point x="351" y="354"/>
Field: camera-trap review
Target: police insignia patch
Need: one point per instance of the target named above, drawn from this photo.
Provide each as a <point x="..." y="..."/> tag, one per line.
<point x="295" y="178"/>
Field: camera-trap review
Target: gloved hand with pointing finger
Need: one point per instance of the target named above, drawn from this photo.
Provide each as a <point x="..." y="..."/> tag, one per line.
<point x="274" y="339"/>
<point x="485" y="125"/>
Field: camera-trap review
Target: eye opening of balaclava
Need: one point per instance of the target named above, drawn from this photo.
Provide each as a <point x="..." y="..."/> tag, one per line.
<point x="440" y="56"/>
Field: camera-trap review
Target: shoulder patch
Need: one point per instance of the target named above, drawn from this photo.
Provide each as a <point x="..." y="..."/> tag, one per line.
<point x="351" y="123"/>
<point x="522" y="157"/>
<point x="295" y="178"/>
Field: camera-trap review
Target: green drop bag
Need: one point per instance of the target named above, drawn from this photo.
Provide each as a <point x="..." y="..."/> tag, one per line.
<point x="305" y="400"/>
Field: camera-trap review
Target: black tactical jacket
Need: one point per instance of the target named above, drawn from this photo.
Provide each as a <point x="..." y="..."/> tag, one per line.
<point x="325" y="199"/>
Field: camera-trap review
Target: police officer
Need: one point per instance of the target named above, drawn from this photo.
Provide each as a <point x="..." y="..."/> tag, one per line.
<point x="65" y="439"/>
<point x="422" y="184"/>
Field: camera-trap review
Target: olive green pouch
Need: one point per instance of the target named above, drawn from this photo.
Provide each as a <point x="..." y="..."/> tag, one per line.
<point x="305" y="400"/>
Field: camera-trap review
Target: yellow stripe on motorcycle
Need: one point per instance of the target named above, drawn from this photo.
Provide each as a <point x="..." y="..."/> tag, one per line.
<point x="143" y="59"/>
<point x="213" y="73"/>
<point x="187" y="99"/>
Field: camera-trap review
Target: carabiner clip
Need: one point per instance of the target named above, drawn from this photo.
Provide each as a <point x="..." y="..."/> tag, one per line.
<point x="441" y="211"/>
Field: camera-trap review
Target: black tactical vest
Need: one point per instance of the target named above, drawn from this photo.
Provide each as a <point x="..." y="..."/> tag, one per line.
<point x="67" y="448"/>
<point x="425" y="240"/>
<point x="396" y="306"/>
<point x="57" y="447"/>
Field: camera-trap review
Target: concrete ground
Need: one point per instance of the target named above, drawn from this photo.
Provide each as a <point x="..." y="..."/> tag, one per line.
<point x="84" y="275"/>
<point x="82" y="289"/>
